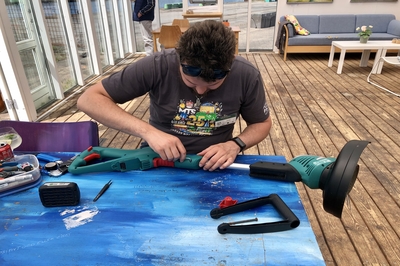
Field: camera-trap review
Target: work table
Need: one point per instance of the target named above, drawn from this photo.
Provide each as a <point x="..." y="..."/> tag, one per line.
<point x="156" y="217"/>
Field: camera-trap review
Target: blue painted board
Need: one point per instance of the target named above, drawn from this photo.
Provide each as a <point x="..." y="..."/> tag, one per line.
<point x="155" y="217"/>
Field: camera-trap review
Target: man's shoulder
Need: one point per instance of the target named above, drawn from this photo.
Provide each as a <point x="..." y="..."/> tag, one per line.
<point x="166" y="53"/>
<point x="167" y="56"/>
<point x="242" y="65"/>
<point x="159" y="63"/>
<point x="164" y="56"/>
<point x="243" y="62"/>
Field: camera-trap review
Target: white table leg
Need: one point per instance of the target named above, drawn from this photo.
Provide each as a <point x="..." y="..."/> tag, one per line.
<point x="379" y="62"/>
<point x="364" y="58"/>
<point x="341" y="61"/>
<point x="331" y="56"/>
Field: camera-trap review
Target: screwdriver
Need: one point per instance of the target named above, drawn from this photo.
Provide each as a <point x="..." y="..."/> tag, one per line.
<point x="106" y="186"/>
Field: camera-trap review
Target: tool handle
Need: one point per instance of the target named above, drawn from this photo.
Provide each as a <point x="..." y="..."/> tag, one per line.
<point x="99" y="159"/>
<point x="157" y="162"/>
<point x="191" y="162"/>
<point x="91" y="157"/>
<point x="290" y="219"/>
<point x="110" y="159"/>
<point x="275" y="171"/>
<point x="47" y="158"/>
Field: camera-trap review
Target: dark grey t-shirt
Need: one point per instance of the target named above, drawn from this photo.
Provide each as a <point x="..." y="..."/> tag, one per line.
<point x="174" y="107"/>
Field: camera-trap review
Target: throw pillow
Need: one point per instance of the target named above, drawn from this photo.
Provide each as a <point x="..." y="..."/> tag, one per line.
<point x="299" y="29"/>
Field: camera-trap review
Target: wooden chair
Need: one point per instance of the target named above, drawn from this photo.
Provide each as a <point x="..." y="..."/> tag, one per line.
<point x="181" y="22"/>
<point x="55" y="137"/>
<point x="169" y="36"/>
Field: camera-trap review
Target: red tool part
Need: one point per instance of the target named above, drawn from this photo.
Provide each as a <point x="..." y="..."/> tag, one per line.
<point x="226" y="202"/>
<point x="6" y="152"/>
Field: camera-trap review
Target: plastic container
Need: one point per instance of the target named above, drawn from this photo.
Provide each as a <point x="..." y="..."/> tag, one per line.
<point x="23" y="181"/>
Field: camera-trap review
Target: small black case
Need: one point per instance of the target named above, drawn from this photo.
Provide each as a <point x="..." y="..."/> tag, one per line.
<point x="56" y="194"/>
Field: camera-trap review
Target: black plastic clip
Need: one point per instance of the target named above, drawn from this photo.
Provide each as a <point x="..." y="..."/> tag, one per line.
<point x="290" y="219"/>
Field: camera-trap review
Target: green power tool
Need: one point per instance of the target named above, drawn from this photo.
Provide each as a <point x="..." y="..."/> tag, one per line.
<point x="99" y="159"/>
<point x="335" y="176"/>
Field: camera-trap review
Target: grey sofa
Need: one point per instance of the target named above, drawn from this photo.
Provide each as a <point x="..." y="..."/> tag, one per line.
<point x="327" y="28"/>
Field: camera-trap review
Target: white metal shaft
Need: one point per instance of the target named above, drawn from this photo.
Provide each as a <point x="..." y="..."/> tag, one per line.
<point x="239" y="166"/>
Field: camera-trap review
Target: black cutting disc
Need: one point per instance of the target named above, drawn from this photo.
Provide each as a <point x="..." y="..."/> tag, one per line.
<point x="51" y="166"/>
<point x="342" y="177"/>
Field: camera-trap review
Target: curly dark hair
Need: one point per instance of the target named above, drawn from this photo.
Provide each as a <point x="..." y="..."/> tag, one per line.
<point x="208" y="44"/>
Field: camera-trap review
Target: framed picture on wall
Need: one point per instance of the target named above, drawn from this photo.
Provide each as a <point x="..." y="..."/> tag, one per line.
<point x="308" y="1"/>
<point x="363" y="1"/>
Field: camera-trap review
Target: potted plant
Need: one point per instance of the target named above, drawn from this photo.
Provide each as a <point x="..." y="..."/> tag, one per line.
<point x="364" y="32"/>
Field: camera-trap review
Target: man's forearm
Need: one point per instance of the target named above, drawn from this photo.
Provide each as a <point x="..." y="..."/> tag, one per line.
<point x="255" y="133"/>
<point x="108" y="113"/>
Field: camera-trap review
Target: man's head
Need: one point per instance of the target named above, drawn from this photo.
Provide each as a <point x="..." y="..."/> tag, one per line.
<point x="207" y="50"/>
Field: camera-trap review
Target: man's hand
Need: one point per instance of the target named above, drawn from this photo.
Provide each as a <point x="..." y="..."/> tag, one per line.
<point x="169" y="147"/>
<point x="139" y="14"/>
<point x="219" y="156"/>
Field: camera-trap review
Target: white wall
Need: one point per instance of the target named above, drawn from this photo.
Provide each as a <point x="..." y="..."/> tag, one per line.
<point x="336" y="7"/>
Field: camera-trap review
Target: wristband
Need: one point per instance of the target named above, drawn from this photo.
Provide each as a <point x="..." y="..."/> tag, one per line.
<point x="240" y="143"/>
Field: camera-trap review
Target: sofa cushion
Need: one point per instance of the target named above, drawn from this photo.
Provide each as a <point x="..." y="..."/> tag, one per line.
<point x="379" y="22"/>
<point x="337" y="23"/>
<point x="394" y="28"/>
<point x="381" y="36"/>
<point x="299" y="29"/>
<point x="322" y="39"/>
<point x="310" y="22"/>
<point x="326" y="39"/>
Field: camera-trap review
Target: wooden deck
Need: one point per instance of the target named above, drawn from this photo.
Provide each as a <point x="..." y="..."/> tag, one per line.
<point x="315" y="112"/>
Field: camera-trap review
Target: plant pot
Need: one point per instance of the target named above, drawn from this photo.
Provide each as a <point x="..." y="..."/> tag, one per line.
<point x="364" y="39"/>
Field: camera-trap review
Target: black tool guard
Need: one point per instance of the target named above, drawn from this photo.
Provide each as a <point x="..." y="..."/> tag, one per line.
<point x="340" y="180"/>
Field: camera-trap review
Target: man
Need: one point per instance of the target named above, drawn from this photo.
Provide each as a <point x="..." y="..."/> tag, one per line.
<point x="196" y="93"/>
<point x="143" y="12"/>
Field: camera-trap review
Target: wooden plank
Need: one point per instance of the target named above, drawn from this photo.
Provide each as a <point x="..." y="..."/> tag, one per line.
<point x="314" y="197"/>
<point x="142" y="112"/>
<point x="117" y="139"/>
<point x="308" y="196"/>
<point x="265" y="147"/>
<point x="303" y="191"/>
<point x="350" y="126"/>
<point x="361" y="241"/>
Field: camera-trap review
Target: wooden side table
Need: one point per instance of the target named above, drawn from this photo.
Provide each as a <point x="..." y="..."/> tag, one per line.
<point x="203" y="15"/>
<point x="156" y="35"/>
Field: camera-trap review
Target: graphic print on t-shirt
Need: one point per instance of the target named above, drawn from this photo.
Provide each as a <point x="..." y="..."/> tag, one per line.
<point x="199" y="118"/>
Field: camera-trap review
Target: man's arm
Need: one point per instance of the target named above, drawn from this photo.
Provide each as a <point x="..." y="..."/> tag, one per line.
<point x="221" y="155"/>
<point x="98" y="104"/>
<point x="147" y="8"/>
<point x="255" y="133"/>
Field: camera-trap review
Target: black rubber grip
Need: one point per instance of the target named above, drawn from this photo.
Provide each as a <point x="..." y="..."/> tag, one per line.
<point x="290" y="219"/>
